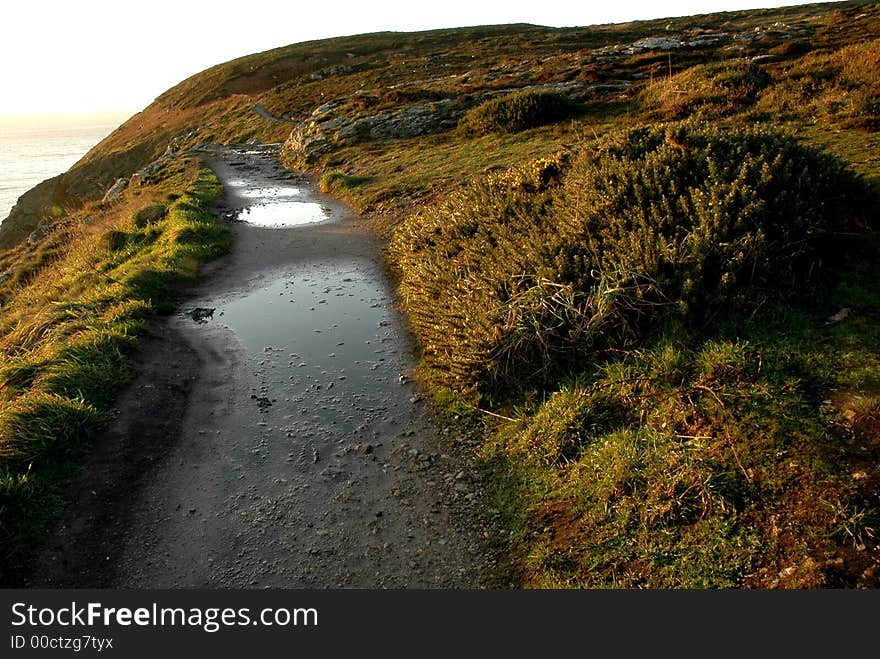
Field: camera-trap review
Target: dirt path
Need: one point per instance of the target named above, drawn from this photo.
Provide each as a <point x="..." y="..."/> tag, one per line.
<point x="279" y="443"/>
<point x="260" y="109"/>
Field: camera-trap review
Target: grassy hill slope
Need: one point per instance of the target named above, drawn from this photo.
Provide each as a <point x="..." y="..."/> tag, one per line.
<point x="639" y="260"/>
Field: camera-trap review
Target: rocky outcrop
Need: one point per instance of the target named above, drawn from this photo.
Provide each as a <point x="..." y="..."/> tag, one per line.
<point x="332" y="71"/>
<point x="38" y="234"/>
<point x="652" y="44"/>
<point x="330" y="127"/>
<point x="27" y="213"/>
<point x="408" y="121"/>
<point x="699" y="38"/>
<point x="776" y="30"/>
<point x="146" y="173"/>
<point x="335" y="124"/>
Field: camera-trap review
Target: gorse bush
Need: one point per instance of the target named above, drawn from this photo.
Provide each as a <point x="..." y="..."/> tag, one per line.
<point x="696" y="218"/>
<point x="517" y="112"/>
<point x="463" y="258"/>
<point x="518" y="277"/>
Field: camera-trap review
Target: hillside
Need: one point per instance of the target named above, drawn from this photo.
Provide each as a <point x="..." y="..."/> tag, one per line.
<point x="639" y="260"/>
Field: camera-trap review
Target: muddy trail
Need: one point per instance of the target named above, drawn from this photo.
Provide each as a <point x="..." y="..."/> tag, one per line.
<point x="273" y="437"/>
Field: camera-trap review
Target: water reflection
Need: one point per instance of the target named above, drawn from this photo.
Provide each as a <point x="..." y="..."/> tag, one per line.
<point x="271" y="192"/>
<point x="284" y="213"/>
<point x="331" y="317"/>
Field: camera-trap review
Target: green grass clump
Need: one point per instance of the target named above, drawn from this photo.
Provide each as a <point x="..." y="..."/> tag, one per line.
<point x="67" y="331"/>
<point x="44" y="425"/>
<point x="517" y="112"/>
<point x="701" y="460"/>
<point x="510" y="282"/>
<point x="340" y="183"/>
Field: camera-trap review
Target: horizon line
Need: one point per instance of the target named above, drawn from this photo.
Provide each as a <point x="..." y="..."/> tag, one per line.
<point x="30" y="118"/>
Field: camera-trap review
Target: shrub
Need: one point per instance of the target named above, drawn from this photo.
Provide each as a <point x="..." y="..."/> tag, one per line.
<point x="462" y="258"/>
<point x="150" y="215"/>
<point x="114" y="240"/>
<point x="517" y="112"/>
<point x="509" y="283"/>
<point x="696" y="218"/>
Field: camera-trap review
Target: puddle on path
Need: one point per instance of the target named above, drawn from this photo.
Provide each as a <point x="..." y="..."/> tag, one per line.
<point x="290" y="470"/>
<point x="328" y="319"/>
<point x="283" y="213"/>
<point x="276" y="206"/>
<point x="327" y="355"/>
<point x="271" y="192"/>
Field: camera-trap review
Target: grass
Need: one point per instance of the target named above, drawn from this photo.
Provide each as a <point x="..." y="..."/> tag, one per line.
<point x="68" y="326"/>
<point x="706" y="90"/>
<point x="342" y="185"/>
<point x="839" y="87"/>
<point x="702" y="460"/>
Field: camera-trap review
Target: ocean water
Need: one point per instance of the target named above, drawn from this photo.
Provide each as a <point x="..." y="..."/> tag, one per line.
<point x="34" y="150"/>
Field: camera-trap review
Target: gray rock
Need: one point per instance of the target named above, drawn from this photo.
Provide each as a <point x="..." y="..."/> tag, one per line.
<point x="696" y="39"/>
<point x="408" y="121"/>
<point x="705" y="40"/>
<point x="332" y="71"/>
<point x="655" y="43"/>
<point x="116" y="189"/>
<point x="328" y="128"/>
<point x="40" y="232"/>
<point x="145" y="173"/>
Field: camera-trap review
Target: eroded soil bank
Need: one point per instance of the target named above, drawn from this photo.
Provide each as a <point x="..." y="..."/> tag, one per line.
<point x="272" y="437"/>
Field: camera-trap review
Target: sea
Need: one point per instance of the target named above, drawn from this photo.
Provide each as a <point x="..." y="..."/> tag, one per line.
<point x="33" y="149"/>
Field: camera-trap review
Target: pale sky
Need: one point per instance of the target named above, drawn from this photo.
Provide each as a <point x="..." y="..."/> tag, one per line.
<point x="59" y="56"/>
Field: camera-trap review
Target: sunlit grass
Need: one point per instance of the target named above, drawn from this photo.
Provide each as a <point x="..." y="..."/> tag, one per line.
<point x="69" y="323"/>
<point x="655" y="319"/>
